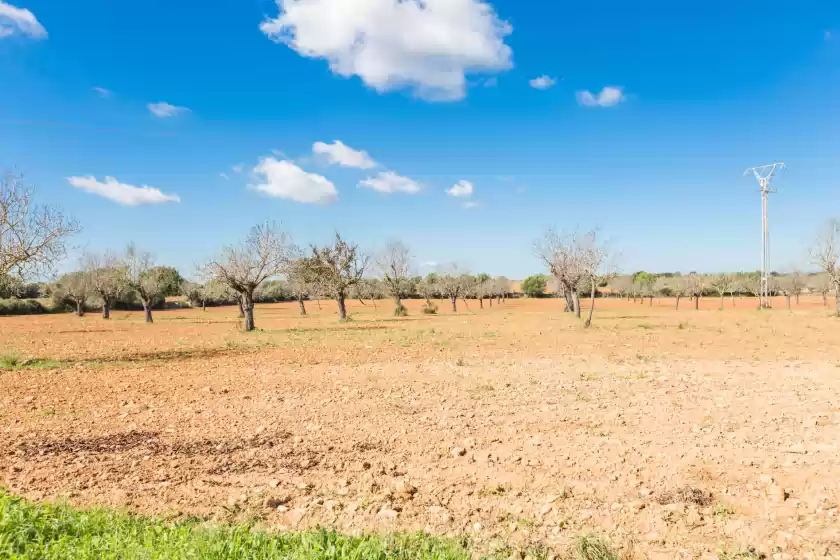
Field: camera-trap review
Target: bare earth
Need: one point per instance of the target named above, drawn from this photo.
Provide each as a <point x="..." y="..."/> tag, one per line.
<point x="687" y="433"/>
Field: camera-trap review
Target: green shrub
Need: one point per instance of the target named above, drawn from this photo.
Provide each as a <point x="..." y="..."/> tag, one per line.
<point x="21" y="307"/>
<point x="400" y="311"/>
<point x="534" y="286"/>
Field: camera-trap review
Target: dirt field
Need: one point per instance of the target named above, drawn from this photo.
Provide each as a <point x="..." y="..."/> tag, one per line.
<point x="691" y="433"/>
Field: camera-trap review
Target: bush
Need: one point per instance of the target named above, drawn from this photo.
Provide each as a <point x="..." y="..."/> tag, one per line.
<point x="534" y="286"/>
<point x="430" y="308"/>
<point x="21" y="307"/>
<point x="400" y="311"/>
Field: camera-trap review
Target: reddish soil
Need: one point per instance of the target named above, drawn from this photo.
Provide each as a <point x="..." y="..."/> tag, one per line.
<point x="692" y="433"/>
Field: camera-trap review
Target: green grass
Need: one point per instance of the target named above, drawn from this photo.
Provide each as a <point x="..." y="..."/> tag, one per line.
<point x="13" y="361"/>
<point x="594" y="548"/>
<point x="30" y="531"/>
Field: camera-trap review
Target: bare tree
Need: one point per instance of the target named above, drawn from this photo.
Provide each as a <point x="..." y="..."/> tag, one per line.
<point x="452" y="284"/>
<point x="797" y="283"/>
<point x="106" y="275"/>
<point x="825" y="253"/>
<point x="597" y="266"/>
<point x="501" y="286"/>
<point x="299" y="275"/>
<point x="482" y="288"/>
<point x="73" y="288"/>
<point x="695" y="286"/>
<point x="140" y="276"/>
<point x="429" y="288"/>
<point x="722" y="283"/>
<point x="32" y="238"/>
<point x="680" y="289"/>
<point x="264" y="253"/>
<point x="751" y="282"/>
<point x="821" y="283"/>
<point x="394" y="262"/>
<point x="367" y="289"/>
<point x="566" y="259"/>
<point x="785" y="285"/>
<point x="339" y="267"/>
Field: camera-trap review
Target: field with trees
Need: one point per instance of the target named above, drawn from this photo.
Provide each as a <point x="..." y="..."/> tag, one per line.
<point x="287" y="399"/>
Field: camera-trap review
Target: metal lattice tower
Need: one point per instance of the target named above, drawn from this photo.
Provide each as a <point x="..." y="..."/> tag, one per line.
<point x="764" y="174"/>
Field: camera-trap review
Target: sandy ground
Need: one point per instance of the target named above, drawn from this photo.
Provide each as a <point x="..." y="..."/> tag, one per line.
<point x="684" y="433"/>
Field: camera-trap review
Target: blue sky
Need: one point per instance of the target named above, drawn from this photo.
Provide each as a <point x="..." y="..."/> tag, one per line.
<point x="437" y="96"/>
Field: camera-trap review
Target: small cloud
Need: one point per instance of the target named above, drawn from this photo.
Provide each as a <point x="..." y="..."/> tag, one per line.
<point x="284" y="179"/>
<point x="238" y="168"/>
<point x="224" y="176"/>
<point x="19" y="20"/>
<point x="543" y="82"/>
<point x="609" y="97"/>
<point x="102" y="92"/>
<point x="491" y="82"/>
<point x="470" y="204"/>
<point x="341" y="154"/>
<point x="390" y="182"/>
<point x="164" y="110"/>
<point x="462" y="189"/>
<point x="126" y="195"/>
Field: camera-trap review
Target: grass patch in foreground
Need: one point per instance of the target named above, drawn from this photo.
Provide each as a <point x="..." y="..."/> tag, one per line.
<point x="14" y="361"/>
<point x="57" y="531"/>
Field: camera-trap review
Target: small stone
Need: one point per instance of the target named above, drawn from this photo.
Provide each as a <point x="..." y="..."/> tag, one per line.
<point x="365" y="465"/>
<point x="206" y="389"/>
<point x="260" y="430"/>
<point x="776" y="493"/>
<point x="294" y="516"/>
<point x="615" y="506"/>
<point x="404" y="489"/>
<point x="298" y="439"/>
<point x="458" y="452"/>
<point x="546" y="509"/>
<point x="644" y="492"/>
<point x="440" y="514"/>
<point x="477" y="527"/>
<point x="274" y="483"/>
<point x="636" y="505"/>
<point x="29" y="399"/>
<point x="386" y="513"/>
<point x="797" y="448"/>
<point x="282" y="509"/>
<point x="469" y="442"/>
<point x="766" y="479"/>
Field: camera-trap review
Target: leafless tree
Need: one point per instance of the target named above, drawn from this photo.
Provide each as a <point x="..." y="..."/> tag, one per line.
<point x="821" y="283"/>
<point x="785" y="285"/>
<point x="482" y="287"/>
<point x="825" y="253"/>
<point x="264" y="253"/>
<point x="598" y="265"/>
<point x="299" y="275"/>
<point x="394" y="262"/>
<point x="567" y="258"/>
<point x="622" y="286"/>
<point x="501" y="286"/>
<point x="452" y="283"/>
<point x="107" y="275"/>
<point x="339" y="267"/>
<point x="797" y="283"/>
<point x="722" y="283"/>
<point x="680" y="289"/>
<point x="695" y="286"/>
<point x="32" y="238"/>
<point x="367" y="289"/>
<point x="74" y="288"/>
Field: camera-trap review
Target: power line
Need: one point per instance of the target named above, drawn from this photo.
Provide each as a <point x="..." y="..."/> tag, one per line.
<point x="764" y="174"/>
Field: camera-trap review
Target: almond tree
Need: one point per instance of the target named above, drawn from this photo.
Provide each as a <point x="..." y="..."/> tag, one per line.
<point x="338" y="268"/>
<point x="481" y="288"/>
<point x="451" y="283"/>
<point x="597" y="267"/>
<point x="695" y="286"/>
<point x="680" y="289"/>
<point x="74" y="288"/>
<point x="825" y="253"/>
<point x="822" y="285"/>
<point x="107" y="279"/>
<point x="32" y="238"/>
<point x="797" y="284"/>
<point x="501" y="287"/>
<point x="565" y="256"/>
<point x="394" y="263"/>
<point x="299" y="275"/>
<point x="722" y="284"/>
<point x="264" y="253"/>
<point x="141" y="276"/>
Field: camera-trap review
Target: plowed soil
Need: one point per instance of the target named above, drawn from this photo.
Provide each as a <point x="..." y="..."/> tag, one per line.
<point x="689" y="433"/>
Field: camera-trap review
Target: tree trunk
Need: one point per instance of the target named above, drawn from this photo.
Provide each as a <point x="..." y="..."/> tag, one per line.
<point x="678" y="302"/>
<point x="490" y="299"/>
<point x="721" y="301"/>
<point x="373" y="301"/>
<point x="797" y="299"/>
<point x="318" y="301"/>
<point x="732" y="296"/>
<point x="576" y="304"/>
<point x="147" y="309"/>
<point x="696" y="303"/>
<point x="80" y="308"/>
<point x="454" y="304"/>
<point x="248" y="311"/>
<point x="241" y="307"/>
<point x="106" y="309"/>
<point x="650" y="302"/>
<point x="591" y="306"/>
<point x="301" y="305"/>
<point x="837" y="298"/>
<point x="204" y="305"/>
<point x="481" y="303"/>
<point x="825" y="300"/>
<point x="342" y="308"/>
<point x="788" y="300"/>
<point x="499" y="300"/>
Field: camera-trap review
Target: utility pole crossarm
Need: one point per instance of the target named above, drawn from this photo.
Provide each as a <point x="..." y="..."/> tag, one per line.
<point x="764" y="174"/>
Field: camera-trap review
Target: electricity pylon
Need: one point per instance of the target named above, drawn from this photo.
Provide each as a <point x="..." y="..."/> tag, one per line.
<point x="764" y="174"/>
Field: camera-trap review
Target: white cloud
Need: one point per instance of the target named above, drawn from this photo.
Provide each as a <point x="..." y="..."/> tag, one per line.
<point x="102" y="92"/>
<point x="470" y="204"/>
<point x="284" y="179"/>
<point x="19" y="20"/>
<point x="462" y="189"/>
<point x="428" y="47"/>
<point x="491" y="82"/>
<point x="390" y="182"/>
<point x="339" y="153"/>
<point x="224" y="176"/>
<point x="608" y="97"/>
<point x="238" y="168"/>
<point x="543" y="82"/>
<point x="164" y="110"/>
<point x="126" y="195"/>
